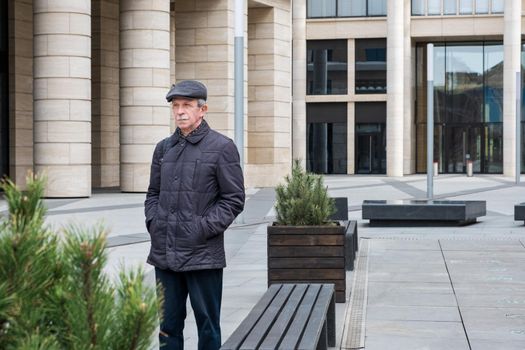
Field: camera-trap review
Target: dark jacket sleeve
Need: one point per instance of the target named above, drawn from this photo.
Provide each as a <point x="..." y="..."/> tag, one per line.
<point x="230" y="200"/>
<point x="152" y="197"/>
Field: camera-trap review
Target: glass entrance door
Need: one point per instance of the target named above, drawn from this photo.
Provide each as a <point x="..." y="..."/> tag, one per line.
<point x="462" y="143"/>
<point x="370" y="149"/>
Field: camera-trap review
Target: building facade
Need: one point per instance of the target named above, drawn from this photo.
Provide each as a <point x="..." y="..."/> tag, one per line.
<point x="339" y="84"/>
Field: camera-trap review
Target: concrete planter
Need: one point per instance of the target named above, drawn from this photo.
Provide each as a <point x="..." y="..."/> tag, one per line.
<point x="309" y="254"/>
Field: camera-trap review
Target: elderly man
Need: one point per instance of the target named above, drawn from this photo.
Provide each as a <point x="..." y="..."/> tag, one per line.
<point x="196" y="190"/>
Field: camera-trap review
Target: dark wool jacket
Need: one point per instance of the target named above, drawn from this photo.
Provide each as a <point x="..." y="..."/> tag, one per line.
<point x="196" y="190"/>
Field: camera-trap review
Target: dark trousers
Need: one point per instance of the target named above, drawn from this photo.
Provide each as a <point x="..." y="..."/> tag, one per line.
<point x="205" y="290"/>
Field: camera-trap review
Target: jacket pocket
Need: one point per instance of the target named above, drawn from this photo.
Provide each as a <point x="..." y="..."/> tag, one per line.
<point x="200" y="235"/>
<point x="157" y="234"/>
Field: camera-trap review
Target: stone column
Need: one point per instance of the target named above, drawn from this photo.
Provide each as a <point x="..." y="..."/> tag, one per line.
<point x="395" y="85"/>
<point x="511" y="65"/>
<point x="204" y="46"/>
<point x="299" y="80"/>
<point x="172" y="56"/>
<point x="144" y="82"/>
<point x="105" y="93"/>
<point x="350" y="148"/>
<point x="62" y="96"/>
<point x="409" y="135"/>
<point x="20" y="90"/>
<point x="350" y="153"/>
<point x="269" y="95"/>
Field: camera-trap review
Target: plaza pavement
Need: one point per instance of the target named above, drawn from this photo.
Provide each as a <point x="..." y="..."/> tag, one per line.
<point x="413" y="288"/>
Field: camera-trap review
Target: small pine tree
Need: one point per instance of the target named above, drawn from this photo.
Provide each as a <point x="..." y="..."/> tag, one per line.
<point x="54" y="294"/>
<point x="303" y="199"/>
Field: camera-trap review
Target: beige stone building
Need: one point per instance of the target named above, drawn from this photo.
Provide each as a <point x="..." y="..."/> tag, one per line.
<point x="340" y="84"/>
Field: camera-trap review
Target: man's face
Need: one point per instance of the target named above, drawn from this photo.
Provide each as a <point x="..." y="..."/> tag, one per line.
<point x="188" y="115"/>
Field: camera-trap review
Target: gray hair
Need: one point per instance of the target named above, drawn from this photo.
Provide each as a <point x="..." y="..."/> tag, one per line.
<point x="201" y="102"/>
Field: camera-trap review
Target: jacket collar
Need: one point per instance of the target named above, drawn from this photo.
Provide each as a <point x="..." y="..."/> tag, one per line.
<point x="194" y="137"/>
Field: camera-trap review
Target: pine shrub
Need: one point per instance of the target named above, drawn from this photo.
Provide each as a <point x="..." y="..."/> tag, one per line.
<point x="54" y="294"/>
<point x="303" y="199"/>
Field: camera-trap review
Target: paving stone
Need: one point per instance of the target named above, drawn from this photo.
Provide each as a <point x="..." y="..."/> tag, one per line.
<point x="405" y="245"/>
<point x="415" y="335"/>
<point x="495" y="323"/>
<point x="407" y="268"/>
<point x="410" y="294"/>
<point x="405" y="256"/>
<point x="498" y="246"/>
<point x="412" y="313"/>
<point x="460" y="257"/>
<point x="394" y="342"/>
<point x="378" y="276"/>
<point x="485" y="344"/>
<point x="488" y="277"/>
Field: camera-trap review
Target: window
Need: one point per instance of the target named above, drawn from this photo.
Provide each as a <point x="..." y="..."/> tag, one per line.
<point x="450" y="7"/>
<point x="465" y="7"/>
<point x="482" y="6"/>
<point x="456" y="7"/>
<point x="377" y="7"/>
<point x="434" y="7"/>
<point x="346" y="8"/>
<point x="497" y="6"/>
<point x="327" y="67"/>
<point x="418" y="7"/>
<point x="321" y="8"/>
<point x="370" y="66"/>
<point x="353" y="8"/>
<point x="326" y="138"/>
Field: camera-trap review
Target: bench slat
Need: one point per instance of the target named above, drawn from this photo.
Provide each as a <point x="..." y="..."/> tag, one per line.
<point x="281" y="325"/>
<point x="317" y="320"/>
<point x="238" y="336"/>
<point x="296" y="329"/>
<point x="259" y="332"/>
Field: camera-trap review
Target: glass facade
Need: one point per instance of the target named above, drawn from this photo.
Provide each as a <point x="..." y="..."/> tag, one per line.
<point x="346" y="8"/>
<point x="456" y="7"/>
<point x="327" y="67"/>
<point x="370" y="66"/>
<point x="4" y="91"/>
<point x="468" y="107"/>
<point x="326" y="138"/>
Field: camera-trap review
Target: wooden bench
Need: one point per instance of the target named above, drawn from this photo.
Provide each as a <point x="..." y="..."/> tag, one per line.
<point x="288" y="316"/>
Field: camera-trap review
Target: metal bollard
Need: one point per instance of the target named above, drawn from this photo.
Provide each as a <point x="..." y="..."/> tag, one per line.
<point x="469" y="168"/>
<point x="436" y="169"/>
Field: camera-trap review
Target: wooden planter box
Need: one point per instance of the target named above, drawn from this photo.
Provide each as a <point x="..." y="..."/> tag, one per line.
<point x="308" y="254"/>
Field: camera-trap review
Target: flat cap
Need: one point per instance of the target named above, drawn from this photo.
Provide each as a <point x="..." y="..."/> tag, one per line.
<point x="189" y="89"/>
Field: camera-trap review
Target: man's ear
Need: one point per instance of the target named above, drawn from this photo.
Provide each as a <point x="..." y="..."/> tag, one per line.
<point x="205" y="108"/>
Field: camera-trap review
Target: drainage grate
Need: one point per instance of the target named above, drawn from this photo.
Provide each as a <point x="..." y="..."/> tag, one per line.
<point x="354" y="332"/>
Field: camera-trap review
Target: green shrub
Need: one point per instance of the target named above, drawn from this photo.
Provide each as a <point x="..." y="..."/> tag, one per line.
<point x="303" y="199"/>
<point x="53" y="292"/>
